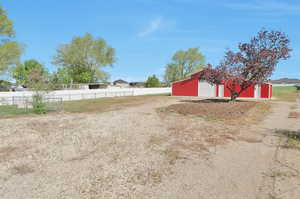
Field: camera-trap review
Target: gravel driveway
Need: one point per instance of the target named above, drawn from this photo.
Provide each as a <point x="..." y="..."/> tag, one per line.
<point x="138" y="152"/>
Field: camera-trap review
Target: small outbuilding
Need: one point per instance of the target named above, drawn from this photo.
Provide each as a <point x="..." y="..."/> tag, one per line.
<point x="193" y="86"/>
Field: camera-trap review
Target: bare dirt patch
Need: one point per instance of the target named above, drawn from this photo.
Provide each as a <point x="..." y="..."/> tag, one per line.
<point x="106" y="104"/>
<point x="6" y="152"/>
<point x="294" y="115"/>
<point x="221" y="110"/>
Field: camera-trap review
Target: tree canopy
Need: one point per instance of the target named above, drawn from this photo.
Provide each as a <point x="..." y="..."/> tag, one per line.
<point x="84" y="57"/>
<point x="183" y="63"/>
<point x="152" y="82"/>
<point x="10" y="51"/>
<point x="23" y="72"/>
<point x="61" y="76"/>
<point x="254" y="63"/>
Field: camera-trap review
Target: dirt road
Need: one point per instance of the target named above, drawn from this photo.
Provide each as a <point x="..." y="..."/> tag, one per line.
<point x="139" y="152"/>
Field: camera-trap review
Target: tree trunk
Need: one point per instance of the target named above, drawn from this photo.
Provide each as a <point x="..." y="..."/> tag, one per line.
<point x="234" y="95"/>
<point x="233" y="92"/>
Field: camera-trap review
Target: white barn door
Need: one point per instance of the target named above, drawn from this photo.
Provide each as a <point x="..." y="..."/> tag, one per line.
<point x="257" y="91"/>
<point x="221" y="91"/>
<point x="206" y="89"/>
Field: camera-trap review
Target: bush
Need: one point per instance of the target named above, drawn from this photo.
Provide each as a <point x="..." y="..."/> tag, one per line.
<point x="38" y="104"/>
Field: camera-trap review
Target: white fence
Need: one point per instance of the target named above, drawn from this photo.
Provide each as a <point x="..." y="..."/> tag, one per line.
<point x="7" y="98"/>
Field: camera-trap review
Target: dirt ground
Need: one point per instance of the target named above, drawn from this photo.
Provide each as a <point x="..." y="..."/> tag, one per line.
<point x="143" y="152"/>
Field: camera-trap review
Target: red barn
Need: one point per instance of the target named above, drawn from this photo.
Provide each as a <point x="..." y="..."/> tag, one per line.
<point x="195" y="87"/>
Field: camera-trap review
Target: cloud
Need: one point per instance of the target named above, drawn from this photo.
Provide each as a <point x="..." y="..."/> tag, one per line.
<point x="267" y="5"/>
<point x="153" y="26"/>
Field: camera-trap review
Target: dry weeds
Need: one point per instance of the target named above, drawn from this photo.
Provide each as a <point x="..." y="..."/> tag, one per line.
<point x="22" y="170"/>
<point x="239" y="112"/>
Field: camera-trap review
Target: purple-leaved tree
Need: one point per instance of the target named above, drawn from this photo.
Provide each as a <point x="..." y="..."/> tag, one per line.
<point x="254" y="62"/>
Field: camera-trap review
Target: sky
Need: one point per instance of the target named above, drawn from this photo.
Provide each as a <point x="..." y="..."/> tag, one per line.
<point x="146" y="33"/>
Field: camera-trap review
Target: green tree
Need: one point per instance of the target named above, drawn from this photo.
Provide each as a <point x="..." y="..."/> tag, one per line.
<point x="22" y="72"/>
<point x="84" y="57"/>
<point x="184" y="62"/>
<point x="38" y="82"/>
<point x="10" y="51"/>
<point x="61" y="76"/>
<point x="37" y="79"/>
<point x="152" y="82"/>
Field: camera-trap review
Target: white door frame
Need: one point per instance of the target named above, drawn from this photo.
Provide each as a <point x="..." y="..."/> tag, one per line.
<point x="221" y="89"/>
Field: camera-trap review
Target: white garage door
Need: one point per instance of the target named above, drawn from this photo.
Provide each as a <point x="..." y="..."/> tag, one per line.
<point x="257" y="91"/>
<point x="206" y="89"/>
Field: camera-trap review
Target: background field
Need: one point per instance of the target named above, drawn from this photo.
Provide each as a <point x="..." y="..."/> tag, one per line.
<point x="286" y="93"/>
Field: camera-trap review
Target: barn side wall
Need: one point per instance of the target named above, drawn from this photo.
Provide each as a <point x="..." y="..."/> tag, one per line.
<point x="187" y="87"/>
<point x="249" y="92"/>
<point x="264" y="91"/>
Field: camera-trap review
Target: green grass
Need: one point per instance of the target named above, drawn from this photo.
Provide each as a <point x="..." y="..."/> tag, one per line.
<point x="161" y="94"/>
<point x="13" y="110"/>
<point x="292" y="138"/>
<point x="86" y="106"/>
<point x="285" y="93"/>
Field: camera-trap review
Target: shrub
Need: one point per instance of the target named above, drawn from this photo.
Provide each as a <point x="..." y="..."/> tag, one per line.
<point x="38" y="104"/>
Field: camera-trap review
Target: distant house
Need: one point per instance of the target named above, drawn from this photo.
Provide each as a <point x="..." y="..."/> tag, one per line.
<point x="121" y="83"/>
<point x="137" y="84"/>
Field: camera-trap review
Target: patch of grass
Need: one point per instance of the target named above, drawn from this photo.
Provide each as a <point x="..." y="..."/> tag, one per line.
<point x="22" y="170"/>
<point x="279" y="174"/>
<point x="161" y="94"/>
<point x="286" y="93"/>
<point x="292" y="138"/>
<point x="83" y="106"/>
<point x="12" y="110"/>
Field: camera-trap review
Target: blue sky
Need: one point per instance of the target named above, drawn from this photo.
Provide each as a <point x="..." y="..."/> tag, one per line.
<point x="146" y="33"/>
